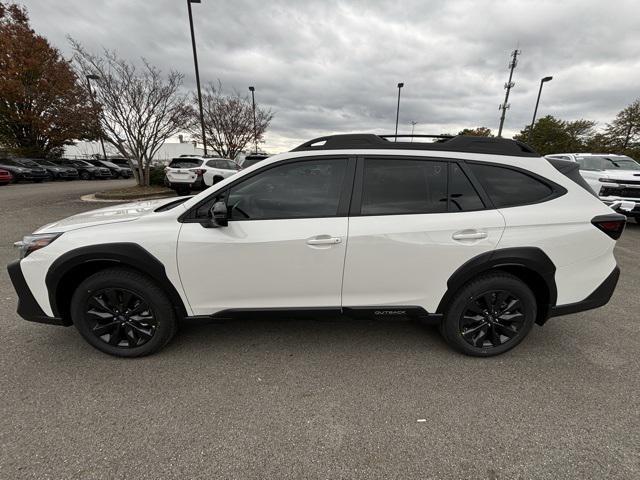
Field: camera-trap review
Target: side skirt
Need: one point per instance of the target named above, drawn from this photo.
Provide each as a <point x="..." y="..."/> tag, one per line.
<point x="371" y="312"/>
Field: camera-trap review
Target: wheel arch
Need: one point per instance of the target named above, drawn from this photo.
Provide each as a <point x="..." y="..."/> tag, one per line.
<point x="529" y="264"/>
<point x="70" y="269"/>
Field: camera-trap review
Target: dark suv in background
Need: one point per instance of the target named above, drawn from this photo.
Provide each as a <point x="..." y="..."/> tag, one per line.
<point x="86" y="171"/>
<point x="23" y="169"/>
<point x="117" y="171"/>
<point x="57" y="171"/>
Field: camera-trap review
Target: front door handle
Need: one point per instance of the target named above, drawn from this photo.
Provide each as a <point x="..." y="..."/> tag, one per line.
<point x="469" y="235"/>
<point x="323" y="240"/>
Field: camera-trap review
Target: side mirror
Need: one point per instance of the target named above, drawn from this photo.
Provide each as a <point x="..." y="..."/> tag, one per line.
<point x="218" y="216"/>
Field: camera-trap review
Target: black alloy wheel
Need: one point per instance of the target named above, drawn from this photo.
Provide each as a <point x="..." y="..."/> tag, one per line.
<point x="489" y="315"/>
<point x="492" y="319"/>
<point x="120" y="317"/>
<point x="123" y="312"/>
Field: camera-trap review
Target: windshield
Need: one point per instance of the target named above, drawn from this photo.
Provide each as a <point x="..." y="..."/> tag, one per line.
<point x="27" y="163"/>
<point x="80" y="163"/>
<point x="6" y="161"/>
<point x="109" y="164"/>
<point x="250" y="161"/>
<point x="597" y="162"/>
<point x="185" y="163"/>
<point x="46" y="163"/>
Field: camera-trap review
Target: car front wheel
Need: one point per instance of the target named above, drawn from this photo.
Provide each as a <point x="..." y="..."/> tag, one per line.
<point x="123" y="313"/>
<point x="489" y="315"/>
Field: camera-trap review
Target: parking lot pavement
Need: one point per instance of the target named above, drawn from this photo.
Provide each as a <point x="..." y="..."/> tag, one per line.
<point x="316" y="399"/>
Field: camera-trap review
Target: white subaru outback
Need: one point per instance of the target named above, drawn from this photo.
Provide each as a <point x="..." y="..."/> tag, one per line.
<point x="481" y="235"/>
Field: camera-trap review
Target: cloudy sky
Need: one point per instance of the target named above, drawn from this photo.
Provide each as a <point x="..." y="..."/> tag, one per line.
<point x="332" y="66"/>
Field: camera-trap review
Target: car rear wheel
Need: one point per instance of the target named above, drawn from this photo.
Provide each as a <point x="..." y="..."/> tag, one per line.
<point x="123" y="313"/>
<point x="489" y="315"/>
<point x="85" y="175"/>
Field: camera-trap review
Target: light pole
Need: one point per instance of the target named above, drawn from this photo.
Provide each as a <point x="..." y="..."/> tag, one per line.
<point x="195" y="62"/>
<point x="413" y="126"/>
<point x="93" y="102"/>
<point x="535" y="110"/>
<point x="253" y="103"/>
<point x="400" y="85"/>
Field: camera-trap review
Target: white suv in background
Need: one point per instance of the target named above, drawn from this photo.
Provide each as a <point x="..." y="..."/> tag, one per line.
<point x="196" y="173"/>
<point x="479" y="235"/>
<point x="614" y="178"/>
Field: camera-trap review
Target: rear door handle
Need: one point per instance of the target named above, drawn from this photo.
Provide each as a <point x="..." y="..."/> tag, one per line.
<point x="324" y="240"/>
<point x="469" y="235"/>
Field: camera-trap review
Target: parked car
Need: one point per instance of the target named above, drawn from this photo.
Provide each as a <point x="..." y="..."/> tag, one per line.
<point x="479" y="235"/>
<point x="117" y="171"/>
<point x="195" y="173"/>
<point x="24" y="170"/>
<point x="57" y="171"/>
<point x="614" y="178"/>
<point x="120" y="161"/>
<point x="86" y="171"/>
<point x="5" y="177"/>
<point x="252" y="159"/>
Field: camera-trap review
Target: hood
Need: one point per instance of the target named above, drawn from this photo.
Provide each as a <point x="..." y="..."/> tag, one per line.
<point x="621" y="174"/>
<point x="112" y="214"/>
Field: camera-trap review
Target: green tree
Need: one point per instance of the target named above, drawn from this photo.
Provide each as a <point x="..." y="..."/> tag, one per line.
<point x="624" y="131"/>
<point x="579" y="133"/>
<point x="42" y="105"/>
<point x="549" y="135"/>
<point x="476" y="132"/>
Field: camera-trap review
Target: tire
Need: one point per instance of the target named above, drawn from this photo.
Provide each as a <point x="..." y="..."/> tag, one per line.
<point x="145" y="321"/>
<point x="482" y="306"/>
<point x="39" y="180"/>
<point x="216" y="179"/>
<point x="85" y="176"/>
<point x="637" y="219"/>
<point x="182" y="191"/>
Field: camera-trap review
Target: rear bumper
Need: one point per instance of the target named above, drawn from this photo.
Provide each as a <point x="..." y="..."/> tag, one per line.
<point x="599" y="297"/>
<point x="28" y="307"/>
<point x="197" y="184"/>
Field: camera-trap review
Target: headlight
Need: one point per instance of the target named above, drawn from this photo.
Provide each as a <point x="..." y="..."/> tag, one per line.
<point x="31" y="243"/>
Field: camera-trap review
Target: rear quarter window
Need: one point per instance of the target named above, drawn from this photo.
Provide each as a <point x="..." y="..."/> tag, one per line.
<point x="510" y="188"/>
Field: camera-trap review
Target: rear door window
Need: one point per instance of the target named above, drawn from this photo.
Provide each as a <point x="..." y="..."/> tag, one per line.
<point x="393" y="186"/>
<point x="507" y="187"/>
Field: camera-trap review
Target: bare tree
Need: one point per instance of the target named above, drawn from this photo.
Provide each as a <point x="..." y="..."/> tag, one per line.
<point x="228" y="121"/>
<point x="141" y="108"/>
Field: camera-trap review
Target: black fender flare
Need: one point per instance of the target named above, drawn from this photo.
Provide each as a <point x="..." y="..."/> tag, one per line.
<point x="123" y="254"/>
<point x="530" y="258"/>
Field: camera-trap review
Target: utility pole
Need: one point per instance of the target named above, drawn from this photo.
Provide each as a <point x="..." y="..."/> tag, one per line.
<point x="93" y="102"/>
<point x="413" y="126"/>
<point x="195" y="63"/>
<point x="508" y="86"/>
<point x="400" y="85"/>
<point x="253" y="104"/>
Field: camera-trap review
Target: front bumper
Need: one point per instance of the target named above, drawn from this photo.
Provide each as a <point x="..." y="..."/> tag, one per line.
<point x="634" y="212"/>
<point x="28" y="307"/>
<point x="599" y="297"/>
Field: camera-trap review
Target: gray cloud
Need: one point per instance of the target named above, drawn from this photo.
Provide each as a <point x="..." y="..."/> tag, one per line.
<point x="330" y="66"/>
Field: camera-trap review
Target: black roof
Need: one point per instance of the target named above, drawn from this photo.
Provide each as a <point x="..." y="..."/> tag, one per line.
<point x="459" y="143"/>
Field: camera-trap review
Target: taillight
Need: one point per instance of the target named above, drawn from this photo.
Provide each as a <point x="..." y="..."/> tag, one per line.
<point x="612" y="225"/>
<point x="199" y="171"/>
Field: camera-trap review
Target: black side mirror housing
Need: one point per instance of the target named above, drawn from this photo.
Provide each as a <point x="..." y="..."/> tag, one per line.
<point x="218" y="216"/>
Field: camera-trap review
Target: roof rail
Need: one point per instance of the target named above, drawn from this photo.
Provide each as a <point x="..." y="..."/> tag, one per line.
<point x="458" y="143"/>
